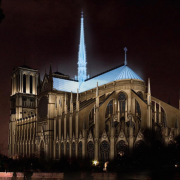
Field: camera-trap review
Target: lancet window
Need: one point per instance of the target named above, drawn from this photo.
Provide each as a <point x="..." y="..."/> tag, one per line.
<point x="31" y="84"/>
<point x="24" y="83"/>
<point x="104" y="149"/>
<point x="62" y="149"/>
<point x="67" y="148"/>
<point x="109" y="109"/>
<point x="122" y="102"/>
<point x="80" y="149"/>
<point x="73" y="149"/>
<point x="90" y="148"/>
<point x="121" y="147"/>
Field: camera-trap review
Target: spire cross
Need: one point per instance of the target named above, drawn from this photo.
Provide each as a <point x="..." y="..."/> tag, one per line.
<point x="125" y="61"/>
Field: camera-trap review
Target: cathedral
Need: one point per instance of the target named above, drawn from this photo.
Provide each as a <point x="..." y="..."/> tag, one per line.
<point x="98" y="117"/>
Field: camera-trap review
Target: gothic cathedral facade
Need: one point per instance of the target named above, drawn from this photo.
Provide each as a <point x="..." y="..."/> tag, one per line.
<point x="98" y="117"/>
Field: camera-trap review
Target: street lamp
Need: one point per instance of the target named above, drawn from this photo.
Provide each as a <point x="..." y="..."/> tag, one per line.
<point x="95" y="162"/>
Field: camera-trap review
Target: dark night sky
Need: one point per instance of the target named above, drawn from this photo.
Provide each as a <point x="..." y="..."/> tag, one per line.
<point x="40" y="32"/>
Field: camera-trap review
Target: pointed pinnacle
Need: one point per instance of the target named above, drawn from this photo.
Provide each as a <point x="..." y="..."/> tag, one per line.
<point x="71" y="98"/>
<point x="65" y="99"/>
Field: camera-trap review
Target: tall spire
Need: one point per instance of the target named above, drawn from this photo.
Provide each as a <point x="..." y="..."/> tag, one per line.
<point x="82" y="74"/>
<point x="125" y="58"/>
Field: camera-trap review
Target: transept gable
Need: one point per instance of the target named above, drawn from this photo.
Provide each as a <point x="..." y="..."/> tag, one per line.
<point x="73" y="138"/>
<point x="90" y="137"/>
<point x="80" y="136"/>
<point x="104" y="137"/>
<point x="139" y="137"/>
<point x="45" y="83"/>
<point x="171" y="135"/>
<point x="121" y="137"/>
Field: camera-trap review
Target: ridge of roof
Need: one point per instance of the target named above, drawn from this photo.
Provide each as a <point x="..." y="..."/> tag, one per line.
<point x="104" y="72"/>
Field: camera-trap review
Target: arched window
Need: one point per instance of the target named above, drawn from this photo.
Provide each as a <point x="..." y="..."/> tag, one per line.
<point x="122" y="102"/>
<point x="57" y="150"/>
<point x="62" y="149"/>
<point x="104" y="149"/>
<point x="31" y="84"/>
<point x="163" y="117"/>
<point x="109" y="109"/>
<point x="24" y="83"/>
<point x="67" y="149"/>
<point x="138" y="110"/>
<point x="80" y="149"/>
<point x="17" y="82"/>
<point x="121" y="147"/>
<point x="90" y="148"/>
<point x="73" y="149"/>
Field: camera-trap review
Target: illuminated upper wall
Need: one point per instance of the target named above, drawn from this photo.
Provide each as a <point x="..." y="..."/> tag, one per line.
<point x="120" y="73"/>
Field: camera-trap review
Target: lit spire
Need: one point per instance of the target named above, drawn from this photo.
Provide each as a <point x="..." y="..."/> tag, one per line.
<point x="125" y="59"/>
<point x="82" y="75"/>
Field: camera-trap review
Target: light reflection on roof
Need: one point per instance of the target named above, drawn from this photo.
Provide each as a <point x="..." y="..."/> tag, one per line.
<point x="120" y="73"/>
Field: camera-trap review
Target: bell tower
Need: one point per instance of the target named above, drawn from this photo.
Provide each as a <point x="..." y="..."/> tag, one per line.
<point x="22" y="101"/>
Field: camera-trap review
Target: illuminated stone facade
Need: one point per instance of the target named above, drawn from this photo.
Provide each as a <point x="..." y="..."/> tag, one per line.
<point x="100" y="118"/>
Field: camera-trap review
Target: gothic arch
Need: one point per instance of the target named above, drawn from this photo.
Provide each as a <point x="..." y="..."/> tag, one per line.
<point x="90" y="149"/>
<point x="62" y="149"/>
<point x="121" y="147"/>
<point x="104" y="150"/>
<point x="80" y="149"/>
<point x="121" y="91"/>
<point x="73" y="149"/>
<point x="122" y="100"/>
<point x="67" y="148"/>
<point x="163" y="113"/>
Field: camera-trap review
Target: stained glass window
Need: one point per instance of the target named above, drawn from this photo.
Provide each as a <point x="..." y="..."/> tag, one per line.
<point x="80" y="149"/>
<point x="104" y="149"/>
<point x="90" y="148"/>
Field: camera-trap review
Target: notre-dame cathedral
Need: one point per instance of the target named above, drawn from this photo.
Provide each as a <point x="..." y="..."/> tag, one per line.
<point x="97" y="117"/>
